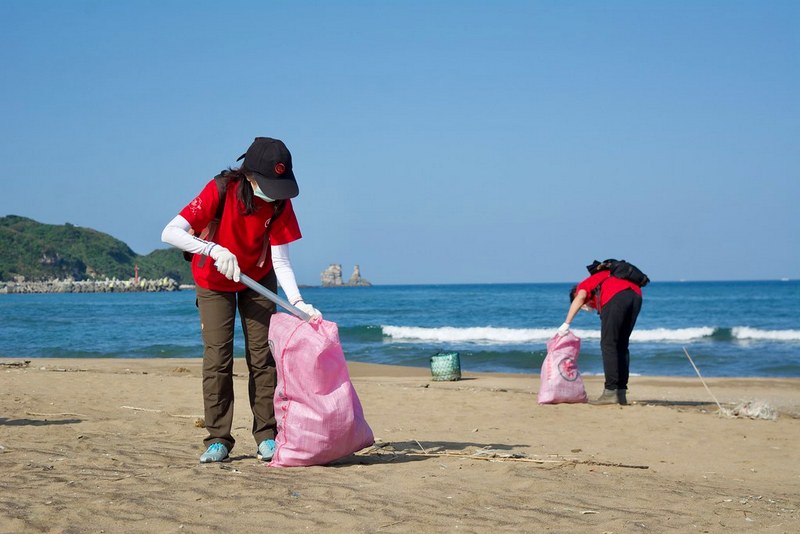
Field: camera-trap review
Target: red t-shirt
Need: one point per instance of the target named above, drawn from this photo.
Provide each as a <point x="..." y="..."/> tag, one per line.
<point x="243" y="235"/>
<point x="611" y="286"/>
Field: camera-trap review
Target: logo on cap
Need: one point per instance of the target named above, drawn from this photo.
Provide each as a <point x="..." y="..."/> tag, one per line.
<point x="280" y="168"/>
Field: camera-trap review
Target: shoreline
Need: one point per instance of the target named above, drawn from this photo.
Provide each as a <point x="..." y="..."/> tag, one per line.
<point x="374" y="369"/>
<point x="111" y="444"/>
<point x="726" y="390"/>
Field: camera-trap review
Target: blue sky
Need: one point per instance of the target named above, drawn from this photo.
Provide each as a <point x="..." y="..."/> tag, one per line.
<point x="434" y="142"/>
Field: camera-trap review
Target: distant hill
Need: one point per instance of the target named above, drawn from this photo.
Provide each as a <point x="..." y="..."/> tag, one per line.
<point x="46" y="251"/>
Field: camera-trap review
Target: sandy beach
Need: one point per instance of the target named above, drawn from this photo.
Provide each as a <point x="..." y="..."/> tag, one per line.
<point x="108" y="445"/>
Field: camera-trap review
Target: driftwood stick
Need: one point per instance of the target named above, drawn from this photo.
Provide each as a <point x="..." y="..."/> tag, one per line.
<point x="610" y="464"/>
<point x="486" y="458"/>
<point x="529" y="460"/>
<point x="55" y="414"/>
<point x="26" y="363"/>
<point x="152" y="410"/>
<point x="141" y="409"/>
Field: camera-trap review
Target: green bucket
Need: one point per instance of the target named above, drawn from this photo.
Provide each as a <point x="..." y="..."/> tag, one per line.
<point x="446" y="366"/>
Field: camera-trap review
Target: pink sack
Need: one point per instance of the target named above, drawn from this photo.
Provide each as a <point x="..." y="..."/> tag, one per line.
<point x="561" y="381"/>
<point x="317" y="410"/>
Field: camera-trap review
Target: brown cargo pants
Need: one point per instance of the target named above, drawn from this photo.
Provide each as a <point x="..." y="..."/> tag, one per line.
<point x="217" y="319"/>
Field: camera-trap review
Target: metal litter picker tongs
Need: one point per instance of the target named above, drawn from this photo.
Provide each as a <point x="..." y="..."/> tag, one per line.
<point x="261" y="290"/>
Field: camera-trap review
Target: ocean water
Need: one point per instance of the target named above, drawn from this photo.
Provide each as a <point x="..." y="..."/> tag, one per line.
<point x="730" y="329"/>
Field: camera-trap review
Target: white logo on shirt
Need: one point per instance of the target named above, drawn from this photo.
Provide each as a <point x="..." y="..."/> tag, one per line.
<point x="196" y="205"/>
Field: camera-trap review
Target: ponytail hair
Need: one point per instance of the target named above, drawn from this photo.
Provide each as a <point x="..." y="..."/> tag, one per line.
<point x="244" y="193"/>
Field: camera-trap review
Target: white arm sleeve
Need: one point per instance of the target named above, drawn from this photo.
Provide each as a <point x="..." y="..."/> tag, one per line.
<point x="176" y="233"/>
<point x="284" y="273"/>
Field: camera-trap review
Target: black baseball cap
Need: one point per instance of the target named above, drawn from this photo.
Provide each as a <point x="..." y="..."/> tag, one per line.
<point x="271" y="165"/>
<point x="593" y="268"/>
<point x="596" y="266"/>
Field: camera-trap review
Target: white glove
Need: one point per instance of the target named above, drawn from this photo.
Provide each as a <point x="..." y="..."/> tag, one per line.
<point x="225" y="262"/>
<point x="309" y="309"/>
<point x="563" y="330"/>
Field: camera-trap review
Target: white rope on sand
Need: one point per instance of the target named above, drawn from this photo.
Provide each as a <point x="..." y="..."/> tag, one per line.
<point x="750" y="409"/>
<point x="696" y="370"/>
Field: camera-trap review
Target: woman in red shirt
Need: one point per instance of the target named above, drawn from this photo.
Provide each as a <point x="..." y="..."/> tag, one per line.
<point x="618" y="301"/>
<point x="245" y="221"/>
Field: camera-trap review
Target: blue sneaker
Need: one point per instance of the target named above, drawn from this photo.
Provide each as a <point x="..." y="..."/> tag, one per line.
<point x="266" y="450"/>
<point x="216" y="452"/>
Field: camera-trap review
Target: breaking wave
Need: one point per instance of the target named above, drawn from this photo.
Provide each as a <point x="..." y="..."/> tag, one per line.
<point x="745" y="332"/>
<point x="495" y="335"/>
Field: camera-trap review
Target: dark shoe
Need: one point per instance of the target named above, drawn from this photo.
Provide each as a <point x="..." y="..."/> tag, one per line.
<point x="622" y="396"/>
<point x="609" y="396"/>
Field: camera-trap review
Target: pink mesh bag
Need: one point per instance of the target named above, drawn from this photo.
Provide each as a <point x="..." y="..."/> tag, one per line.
<point x="561" y="381"/>
<point x="319" y="416"/>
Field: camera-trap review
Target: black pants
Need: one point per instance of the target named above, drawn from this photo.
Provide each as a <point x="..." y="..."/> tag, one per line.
<point x="617" y="320"/>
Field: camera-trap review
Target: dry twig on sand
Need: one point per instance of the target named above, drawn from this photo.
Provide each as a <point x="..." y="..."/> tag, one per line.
<point x="503" y="457"/>
<point x="59" y="414"/>
<point x="152" y="410"/>
<point x="491" y="455"/>
<point x="25" y="363"/>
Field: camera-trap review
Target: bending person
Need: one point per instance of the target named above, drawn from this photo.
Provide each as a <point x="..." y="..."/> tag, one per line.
<point x="618" y="301"/>
<point x="245" y="221"/>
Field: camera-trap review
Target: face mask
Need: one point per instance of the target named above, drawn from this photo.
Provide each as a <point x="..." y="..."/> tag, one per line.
<point x="260" y="194"/>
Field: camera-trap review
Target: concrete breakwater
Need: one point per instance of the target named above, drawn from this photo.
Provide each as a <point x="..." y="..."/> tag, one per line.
<point x="108" y="285"/>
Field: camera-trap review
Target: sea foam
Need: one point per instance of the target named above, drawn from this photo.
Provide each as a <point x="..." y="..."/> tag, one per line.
<point x="489" y="335"/>
<point x="496" y="335"/>
<point x="745" y="332"/>
<point x="485" y="334"/>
